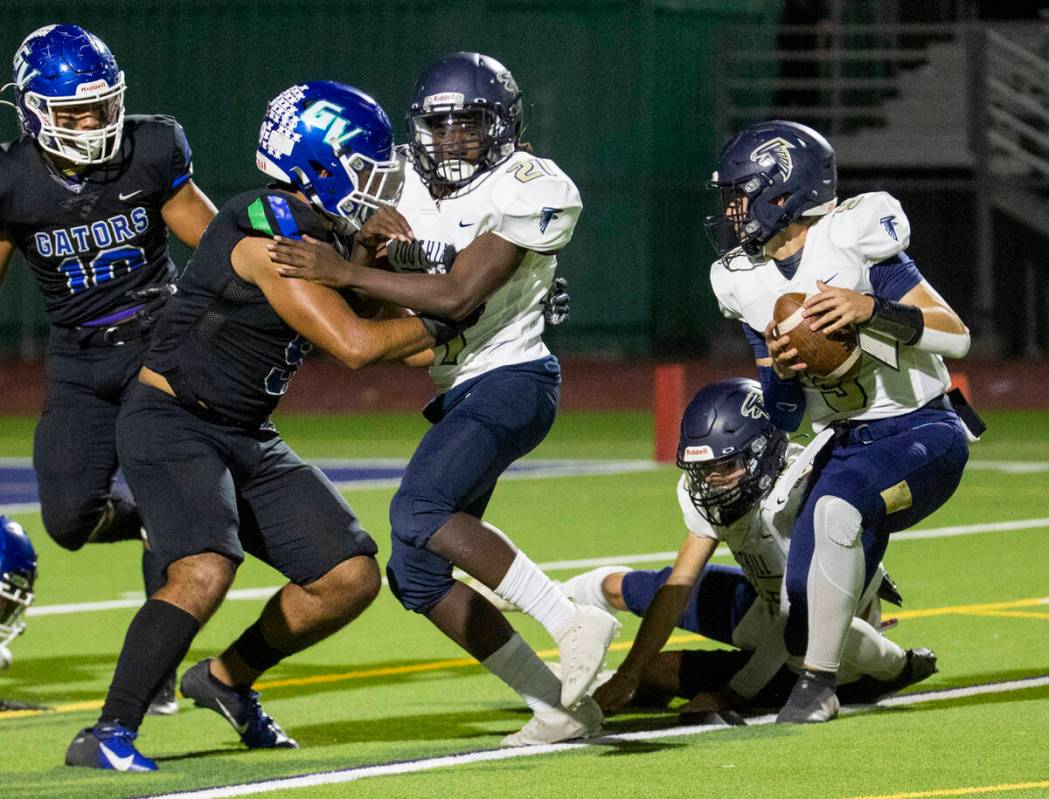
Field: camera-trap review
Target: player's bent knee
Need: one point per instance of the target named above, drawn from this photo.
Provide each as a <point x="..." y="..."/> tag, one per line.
<point x="418" y="578"/>
<point x="837" y="522"/>
<point x="198" y="583"/>
<point x="350" y="585"/>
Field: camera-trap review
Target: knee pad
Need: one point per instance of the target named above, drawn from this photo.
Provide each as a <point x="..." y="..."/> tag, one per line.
<point x="837" y="522"/>
<point x="415" y="516"/>
<point x="418" y="578"/>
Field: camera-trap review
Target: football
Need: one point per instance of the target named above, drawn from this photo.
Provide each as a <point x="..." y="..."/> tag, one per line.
<point x="833" y="357"/>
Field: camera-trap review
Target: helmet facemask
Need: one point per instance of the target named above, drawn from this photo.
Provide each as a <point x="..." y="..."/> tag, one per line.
<point x="39" y="115"/>
<point x="452" y="144"/>
<point x="16" y="595"/>
<point x="374" y="184"/>
<point x="723" y="490"/>
<point x="751" y="215"/>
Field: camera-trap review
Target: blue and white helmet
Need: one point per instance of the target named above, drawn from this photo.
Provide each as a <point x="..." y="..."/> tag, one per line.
<point x="475" y="94"/>
<point x="17" y="575"/>
<point x="770" y="175"/>
<point x="729" y="449"/>
<point x="64" y="68"/>
<point x="335" y="144"/>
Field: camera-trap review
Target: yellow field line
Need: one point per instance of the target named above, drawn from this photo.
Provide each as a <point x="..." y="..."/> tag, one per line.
<point x="1016" y="786"/>
<point x="320" y="679"/>
<point x="968" y="609"/>
<point x="1012" y="614"/>
<point x="983" y="609"/>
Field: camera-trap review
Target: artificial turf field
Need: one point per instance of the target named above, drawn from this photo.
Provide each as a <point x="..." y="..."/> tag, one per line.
<point x="389" y="688"/>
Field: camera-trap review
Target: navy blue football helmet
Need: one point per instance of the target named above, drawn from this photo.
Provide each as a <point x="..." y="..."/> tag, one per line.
<point x="770" y="175"/>
<point x="335" y="144"/>
<point x="63" y="68"/>
<point x="17" y="575"/>
<point x="466" y="117"/>
<point x="729" y="449"/>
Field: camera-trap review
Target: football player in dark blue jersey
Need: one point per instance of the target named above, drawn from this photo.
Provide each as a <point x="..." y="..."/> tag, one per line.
<point x="87" y="195"/>
<point x="212" y="475"/>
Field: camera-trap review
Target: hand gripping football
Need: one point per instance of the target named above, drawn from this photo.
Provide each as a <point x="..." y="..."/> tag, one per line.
<point x="833" y="357"/>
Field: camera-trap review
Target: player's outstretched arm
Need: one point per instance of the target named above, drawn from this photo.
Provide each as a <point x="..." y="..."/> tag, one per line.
<point x="187" y="213"/>
<point x="478" y="271"/>
<point x="660" y="619"/>
<point x="324" y="317"/>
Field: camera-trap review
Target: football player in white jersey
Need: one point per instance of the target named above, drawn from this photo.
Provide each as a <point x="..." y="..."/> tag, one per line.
<point x="898" y="446"/>
<point x="743" y="486"/>
<point x="477" y="231"/>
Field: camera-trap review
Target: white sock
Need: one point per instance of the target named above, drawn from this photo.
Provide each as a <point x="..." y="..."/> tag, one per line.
<point x="869" y="652"/>
<point x="517" y="665"/>
<point x="835" y="581"/>
<point x="525" y="585"/>
<point x="585" y="588"/>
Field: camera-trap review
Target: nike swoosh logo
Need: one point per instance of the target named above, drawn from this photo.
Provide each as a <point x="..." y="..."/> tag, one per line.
<point x="126" y="197"/>
<point x="119" y="763"/>
<point x="466" y="224"/>
<point x="829" y="279"/>
<point x="241" y="728"/>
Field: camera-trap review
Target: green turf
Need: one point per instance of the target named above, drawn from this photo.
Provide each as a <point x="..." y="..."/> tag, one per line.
<point x="982" y="741"/>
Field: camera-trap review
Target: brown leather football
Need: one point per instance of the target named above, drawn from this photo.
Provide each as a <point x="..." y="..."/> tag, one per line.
<point x="833" y="357"/>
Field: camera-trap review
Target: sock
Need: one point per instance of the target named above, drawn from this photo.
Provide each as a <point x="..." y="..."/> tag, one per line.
<point x="525" y="585"/>
<point x="517" y="665"/>
<point x="835" y="581"/>
<point x="869" y="652"/>
<point x="253" y="648"/>
<point x="157" y="639"/>
<point x="585" y="588"/>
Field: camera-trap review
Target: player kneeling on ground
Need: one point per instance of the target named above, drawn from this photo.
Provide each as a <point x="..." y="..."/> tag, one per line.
<point x="212" y="475"/>
<point x="743" y="485"/>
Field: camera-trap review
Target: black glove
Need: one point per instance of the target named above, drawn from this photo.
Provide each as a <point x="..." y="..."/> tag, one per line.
<point x="444" y="330"/>
<point x="556" y="302"/>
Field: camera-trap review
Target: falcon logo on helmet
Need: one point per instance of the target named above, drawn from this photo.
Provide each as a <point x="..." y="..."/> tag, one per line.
<point x="776" y="151"/>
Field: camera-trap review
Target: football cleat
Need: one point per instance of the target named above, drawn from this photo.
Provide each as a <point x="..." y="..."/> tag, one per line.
<point x="920" y="665"/>
<point x="558" y="724"/>
<point x="582" y="642"/>
<point x="813" y="700"/>
<point x="889" y="591"/>
<point x="107" y="746"/>
<point x="164" y="703"/>
<point x="240" y="708"/>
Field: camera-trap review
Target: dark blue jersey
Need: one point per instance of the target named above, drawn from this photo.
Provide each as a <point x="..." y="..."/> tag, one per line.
<point x="219" y="342"/>
<point x="89" y="241"/>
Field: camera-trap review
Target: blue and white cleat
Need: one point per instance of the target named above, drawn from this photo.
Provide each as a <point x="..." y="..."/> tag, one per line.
<point x="240" y="708"/>
<point x="107" y="746"/>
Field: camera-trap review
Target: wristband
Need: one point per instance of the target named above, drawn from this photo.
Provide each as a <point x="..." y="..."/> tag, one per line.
<point x="904" y="323"/>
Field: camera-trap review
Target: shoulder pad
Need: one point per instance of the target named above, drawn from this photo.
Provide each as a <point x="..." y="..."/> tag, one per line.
<point x="538" y="204"/>
<point x="694" y="523"/>
<point x="874" y="225"/>
<point x="276" y="213"/>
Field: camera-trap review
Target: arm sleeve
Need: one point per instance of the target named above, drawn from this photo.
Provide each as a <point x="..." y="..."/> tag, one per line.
<point x="895" y="276"/>
<point x="784" y="399"/>
<point x="537" y="213"/>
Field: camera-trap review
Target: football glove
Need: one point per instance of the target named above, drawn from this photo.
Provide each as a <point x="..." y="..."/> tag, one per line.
<point x="444" y="330"/>
<point x="556" y="302"/>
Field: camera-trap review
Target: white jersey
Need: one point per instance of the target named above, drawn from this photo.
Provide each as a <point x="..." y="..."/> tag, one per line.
<point x="529" y="202"/>
<point x="759" y="542"/>
<point x="841" y="249"/>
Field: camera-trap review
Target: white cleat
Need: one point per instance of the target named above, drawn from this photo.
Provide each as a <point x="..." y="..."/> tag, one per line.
<point x="583" y="641"/>
<point x="601" y="679"/>
<point x="558" y="724"/>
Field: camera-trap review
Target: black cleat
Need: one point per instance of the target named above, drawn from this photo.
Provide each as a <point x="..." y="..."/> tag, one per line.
<point x="889" y="591"/>
<point x="240" y="708"/>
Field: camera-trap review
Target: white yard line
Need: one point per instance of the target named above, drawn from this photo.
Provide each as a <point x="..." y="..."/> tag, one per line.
<point x="427" y="764"/>
<point x="557" y="565"/>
